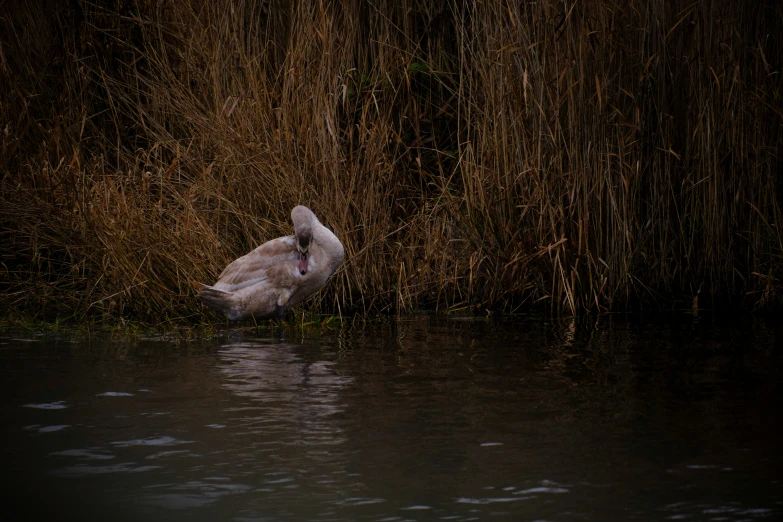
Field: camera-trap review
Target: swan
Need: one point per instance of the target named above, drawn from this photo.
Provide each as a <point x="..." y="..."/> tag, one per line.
<point x="279" y="274"/>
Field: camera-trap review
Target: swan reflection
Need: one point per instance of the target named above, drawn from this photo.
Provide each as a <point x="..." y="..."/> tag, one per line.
<point x="289" y="400"/>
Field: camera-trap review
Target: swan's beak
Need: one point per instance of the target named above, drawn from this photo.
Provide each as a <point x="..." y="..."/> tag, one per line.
<point x="303" y="263"/>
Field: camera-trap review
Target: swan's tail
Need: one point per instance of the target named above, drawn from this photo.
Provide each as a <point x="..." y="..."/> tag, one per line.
<point x="216" y="299"/>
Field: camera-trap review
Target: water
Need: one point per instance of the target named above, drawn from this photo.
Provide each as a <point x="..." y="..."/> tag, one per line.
<point x="420" y="419"/>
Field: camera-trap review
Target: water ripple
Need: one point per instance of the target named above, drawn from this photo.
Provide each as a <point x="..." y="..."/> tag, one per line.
<point x="84" y="454"/>
<point x="83" y="470"/>
<point x="58" y="405"/>
<point x="154" y="441"/>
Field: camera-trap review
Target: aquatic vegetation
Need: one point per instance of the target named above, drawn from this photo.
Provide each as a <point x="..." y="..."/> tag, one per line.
<point x="472" y="156"/>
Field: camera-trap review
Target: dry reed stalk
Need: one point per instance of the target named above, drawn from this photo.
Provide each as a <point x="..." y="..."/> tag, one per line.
<point x="471" y="155"/>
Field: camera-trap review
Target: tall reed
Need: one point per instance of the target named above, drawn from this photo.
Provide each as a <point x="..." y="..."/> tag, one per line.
<point x="480" y="156"/>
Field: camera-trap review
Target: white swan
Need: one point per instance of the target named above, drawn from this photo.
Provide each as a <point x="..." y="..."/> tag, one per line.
<point x="279" y="274"/>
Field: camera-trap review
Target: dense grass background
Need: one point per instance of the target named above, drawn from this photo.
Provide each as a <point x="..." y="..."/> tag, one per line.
<point x="574" y="155"/>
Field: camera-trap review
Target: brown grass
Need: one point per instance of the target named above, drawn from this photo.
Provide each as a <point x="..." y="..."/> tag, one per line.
<point x="479" y="155"/>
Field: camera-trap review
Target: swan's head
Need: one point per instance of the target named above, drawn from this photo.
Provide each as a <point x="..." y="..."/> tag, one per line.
<point x="303" y="219"/>
<point x="303" y="241"/>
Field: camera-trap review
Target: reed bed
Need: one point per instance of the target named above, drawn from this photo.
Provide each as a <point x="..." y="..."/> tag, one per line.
<point x="472" y="156"/>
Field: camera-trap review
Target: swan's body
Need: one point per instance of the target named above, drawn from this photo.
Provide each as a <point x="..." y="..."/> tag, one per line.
<point x="279" y="274"/>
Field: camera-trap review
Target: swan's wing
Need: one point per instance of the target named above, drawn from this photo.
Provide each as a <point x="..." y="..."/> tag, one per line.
<point x="255" y="266"/>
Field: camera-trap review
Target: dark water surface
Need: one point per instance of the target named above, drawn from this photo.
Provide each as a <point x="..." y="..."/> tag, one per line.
<point x="420" y="419"/>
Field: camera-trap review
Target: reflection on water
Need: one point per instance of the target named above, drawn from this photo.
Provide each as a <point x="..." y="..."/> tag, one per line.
<point x="286" y="398"/>
<point x="420" y="419"/>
